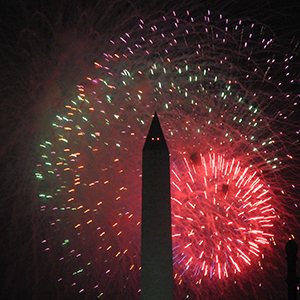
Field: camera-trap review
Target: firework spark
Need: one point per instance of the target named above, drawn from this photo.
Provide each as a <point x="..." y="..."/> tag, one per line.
<point x="222" y="208"/>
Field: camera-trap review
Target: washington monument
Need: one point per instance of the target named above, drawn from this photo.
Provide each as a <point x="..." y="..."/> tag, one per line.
<point x="157" y="269"/>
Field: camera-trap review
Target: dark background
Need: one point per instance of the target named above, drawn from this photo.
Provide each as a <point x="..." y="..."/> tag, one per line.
<point x="16" y="229"/>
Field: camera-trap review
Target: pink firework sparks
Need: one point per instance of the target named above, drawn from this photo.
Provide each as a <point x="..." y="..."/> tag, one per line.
<point x="222" y="216"/>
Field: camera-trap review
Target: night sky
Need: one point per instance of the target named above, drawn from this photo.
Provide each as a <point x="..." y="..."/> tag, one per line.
<point x="23" y="63"/>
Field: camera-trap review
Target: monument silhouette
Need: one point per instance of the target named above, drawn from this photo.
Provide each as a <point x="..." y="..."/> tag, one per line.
<point x="156" y="254"/>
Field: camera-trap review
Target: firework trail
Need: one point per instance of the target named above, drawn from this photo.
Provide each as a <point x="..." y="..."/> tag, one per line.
<point x="226" y="93"/>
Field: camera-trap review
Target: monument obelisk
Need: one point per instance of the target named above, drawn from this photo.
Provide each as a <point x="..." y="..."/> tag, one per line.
<point x="157" y="268"/>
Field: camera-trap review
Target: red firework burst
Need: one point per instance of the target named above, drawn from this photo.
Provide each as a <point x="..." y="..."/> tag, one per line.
<point x="222" y="215"/>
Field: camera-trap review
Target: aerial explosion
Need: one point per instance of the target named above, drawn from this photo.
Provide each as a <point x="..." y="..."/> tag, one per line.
<point x="225" y="92"/>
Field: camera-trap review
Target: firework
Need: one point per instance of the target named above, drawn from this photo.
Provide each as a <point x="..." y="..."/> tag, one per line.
<point x="225" y="92"/>
<point x="228" y="193"/>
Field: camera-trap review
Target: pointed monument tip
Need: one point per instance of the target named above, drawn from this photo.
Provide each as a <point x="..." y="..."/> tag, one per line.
<point x="155" y="139"/>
